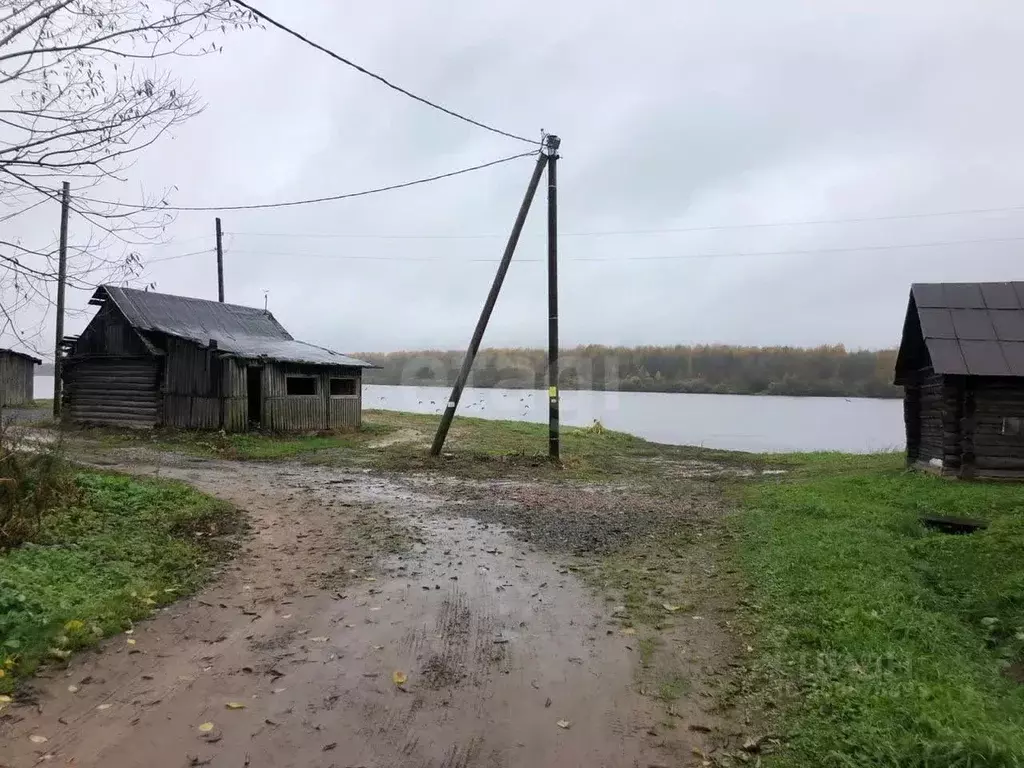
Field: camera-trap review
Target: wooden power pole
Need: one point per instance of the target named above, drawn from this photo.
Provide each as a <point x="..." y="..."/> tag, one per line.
<point x="551" y="147"/>
<point x="62" y="276"/>
<point x="220" y="263"/>
<point x="485" y="314"/>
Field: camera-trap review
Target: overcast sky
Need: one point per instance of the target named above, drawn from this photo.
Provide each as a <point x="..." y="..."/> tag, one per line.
<point x="685" y="114"/>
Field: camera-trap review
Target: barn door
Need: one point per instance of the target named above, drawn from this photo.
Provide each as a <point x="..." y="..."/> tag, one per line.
<point x="115" y="391"/>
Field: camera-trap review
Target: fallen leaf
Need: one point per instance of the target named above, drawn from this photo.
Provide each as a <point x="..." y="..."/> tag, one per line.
<point x="35" y="738"/>
<point x="131" y="641"/>
<point x="101" y="707"/>
<point x="206" y="727"/>
<point x="378" y="647"/>
<point x="235" y="705"/>
<point x="564" y="724"/>
<point x="629" y="631"/>
<point x="329" y="747"/>
<point x="286" y="616"/>
<point x="399" y="678"/>
<point x="669" y="607"/>
<point x="318" y="639"/>
<point x="547" y="703"/>
<point x="129" y="631"/>
<point x="370" y="578"/>
<point x="72" y="689"/>
<point x="5" y="699"/>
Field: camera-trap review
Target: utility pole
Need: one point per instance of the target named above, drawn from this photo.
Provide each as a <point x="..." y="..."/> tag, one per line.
<point x="551" y="144"/>
<point x="62" y="276"/>
<point x="220" y="264"/>
<point x="485" y="314"/>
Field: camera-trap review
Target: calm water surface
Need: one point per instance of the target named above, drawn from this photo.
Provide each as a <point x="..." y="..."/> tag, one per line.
<point x="735" y="422"/>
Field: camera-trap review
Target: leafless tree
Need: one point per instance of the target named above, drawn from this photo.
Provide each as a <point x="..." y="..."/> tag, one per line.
<point x="83" y="90"/>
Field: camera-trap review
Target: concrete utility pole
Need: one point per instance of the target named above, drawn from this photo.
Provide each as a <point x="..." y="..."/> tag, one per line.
<point x="220" y="263"/>
<point x="551" y="144"/>
<point x="62" y="276"/>
<point x="485" y="314"/>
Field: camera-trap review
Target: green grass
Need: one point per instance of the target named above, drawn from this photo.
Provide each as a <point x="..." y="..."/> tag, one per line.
<point x="114" y="555"/>
<point x="881" y="642"/>
<point x="475" y="448"/>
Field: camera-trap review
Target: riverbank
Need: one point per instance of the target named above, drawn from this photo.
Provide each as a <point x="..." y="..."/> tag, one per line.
<point x="791" y="607"/>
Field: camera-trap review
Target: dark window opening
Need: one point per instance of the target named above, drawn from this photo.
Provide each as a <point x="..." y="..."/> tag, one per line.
<point x="343" y="387"/>
<point x="254" y="390"/>
<point x="1013" y="426"/>
<point x="300" y="385"/>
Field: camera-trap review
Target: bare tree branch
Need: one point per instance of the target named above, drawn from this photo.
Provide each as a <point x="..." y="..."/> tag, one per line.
<point x="77" y="105"/>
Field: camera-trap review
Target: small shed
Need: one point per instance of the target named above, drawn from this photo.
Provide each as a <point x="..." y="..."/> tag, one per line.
<point x="17" y="374"/>
<point x="151" y="359"/>
<point x="961" y="366"/>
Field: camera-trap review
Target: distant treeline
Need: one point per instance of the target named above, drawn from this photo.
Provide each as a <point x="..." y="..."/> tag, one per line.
<point x="718" y="369"/>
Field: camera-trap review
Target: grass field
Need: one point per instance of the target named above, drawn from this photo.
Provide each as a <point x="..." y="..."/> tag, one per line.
<point x="882" y="642"/>
<point x="111" y="556"/>
<point x="391" y="440"/>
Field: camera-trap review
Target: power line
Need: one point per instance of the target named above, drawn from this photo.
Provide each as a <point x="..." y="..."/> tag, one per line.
<point x="259" y="14"/>
<point x="669" y="230"/>
<point x="667" y="257"/>
<point x="311" y="201"/>
<point x="180" y="256"/>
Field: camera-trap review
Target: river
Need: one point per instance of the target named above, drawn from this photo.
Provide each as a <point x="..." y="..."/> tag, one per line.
<point x="733" y="422"/>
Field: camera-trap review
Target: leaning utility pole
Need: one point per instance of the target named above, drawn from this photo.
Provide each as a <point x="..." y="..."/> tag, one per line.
<point x="62" y="276"/>
<point x="220" y="264"/>
<point x="551" y="148"/>
<point x="485" y="314"/>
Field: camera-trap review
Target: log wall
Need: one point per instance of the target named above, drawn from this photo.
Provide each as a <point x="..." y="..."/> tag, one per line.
<point x="17" y="376"/>
<point x="119" y="391"/>
<point x="996" y="426"/>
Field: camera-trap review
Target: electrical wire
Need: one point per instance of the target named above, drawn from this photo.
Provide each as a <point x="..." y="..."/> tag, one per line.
<point x="669" y="230"/>
<point x="667" y="257"/>
<point x="264" y="17"/>
<point x="311" y="201"/>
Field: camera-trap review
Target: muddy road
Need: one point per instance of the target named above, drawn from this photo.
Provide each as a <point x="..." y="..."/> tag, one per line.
<point x="362" y="623"/>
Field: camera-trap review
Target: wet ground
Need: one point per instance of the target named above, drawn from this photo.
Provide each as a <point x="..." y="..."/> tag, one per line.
<point x="463" y="647"/>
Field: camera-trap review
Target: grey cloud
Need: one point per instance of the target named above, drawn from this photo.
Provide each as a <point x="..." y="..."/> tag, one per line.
<point x="684" y="114"/>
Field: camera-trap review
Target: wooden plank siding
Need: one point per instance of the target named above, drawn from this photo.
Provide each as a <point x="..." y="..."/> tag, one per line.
<point x="17" y="376"/>
<point x="306" y="413"/>
<point x="191" y="386"/>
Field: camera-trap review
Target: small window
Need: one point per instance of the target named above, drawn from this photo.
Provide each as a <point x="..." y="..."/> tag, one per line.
<point x="300" y="385"/>
<point x="343" y="387"/>
<point x="1013" y="426"/>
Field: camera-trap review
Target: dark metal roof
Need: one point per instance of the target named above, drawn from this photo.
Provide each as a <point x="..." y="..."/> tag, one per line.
<point x="241" y="331"/>
<point x="15" y="352"/>
<point x="968" y="329"/>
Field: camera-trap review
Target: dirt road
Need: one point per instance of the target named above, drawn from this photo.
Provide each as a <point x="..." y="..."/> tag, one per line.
<point x="291" y="652"/>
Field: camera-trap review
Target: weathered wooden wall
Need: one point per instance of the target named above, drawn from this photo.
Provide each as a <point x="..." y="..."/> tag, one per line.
<point x="17" y="374"/>
<point x="119" y="391"/>
<point x="995" y="452"/>
<point x="930" y="388"/>
<point x="192" y="384"/>
<point x="236" y="400"/>
<point x="302" y="413"/>
<point x="108" y="333"/>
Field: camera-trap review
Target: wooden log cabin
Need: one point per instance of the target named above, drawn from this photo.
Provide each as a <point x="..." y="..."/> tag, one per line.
<point x="150" y="359"/>
<point x="17" y="374"/>
<point x="961" y="365"/>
